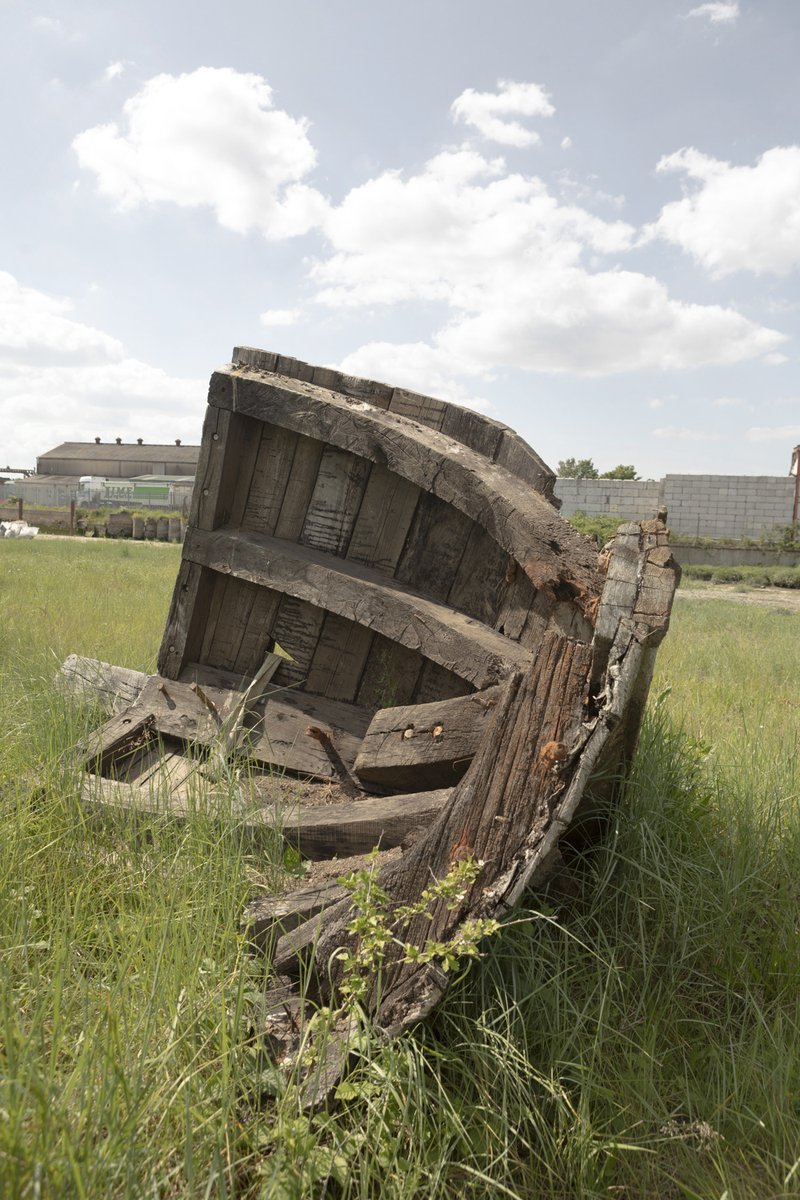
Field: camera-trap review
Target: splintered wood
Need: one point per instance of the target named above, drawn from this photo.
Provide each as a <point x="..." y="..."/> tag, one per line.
<point x="382" y="621"/>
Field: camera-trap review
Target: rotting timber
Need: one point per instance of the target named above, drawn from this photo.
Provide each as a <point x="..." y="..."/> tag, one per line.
<point x="380" y="611"/>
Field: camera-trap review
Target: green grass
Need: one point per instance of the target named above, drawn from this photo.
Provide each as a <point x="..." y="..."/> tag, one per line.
<point x="637" y="1035"/>
<point x="788" y="577"/>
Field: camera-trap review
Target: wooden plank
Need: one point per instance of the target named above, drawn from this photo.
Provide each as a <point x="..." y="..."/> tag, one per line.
<point x="297" y="627"/>
<point x="187" y="619"/>
<point x="208" y="475"/>
<point x="295" y="367"/>
<point x="339" y="660"/>
<point x="437" y="683"/>
<point x="335" y="501"/>
<point x="434" y="547"/>
<point x="425" y="409"/>
<point x="273" y="467"/>
<point x="390" y="675"/>
<point x="243" y="452"/>
<point x="318" y="832"/>
<point x="135" y="765"/>
<point x="479" y="583"/>
<point x="516" y="456"/>
<point x="275" y="732"/>
<point x="517" y="596"/>
<point x="299" y="489"/>
<point x="473" y="429"/>
<point x="258" y="639"/>
<point x="272" y="916"/>
<point x="206" y="676"/>
<point x="383" y="521"/>
<point x="414" y="747"/>
<point x="113" y="688"/>
<point x="460" y="644"/>
<point x="519" y="518"/>
<point x="279" y="736"/>
<point x="232" y="624"/>
<point x="537" y="621"/>
<point x="250" y="356"/>
<point x="122" y="734"/>
<point x="226" y="446"/>
<point x="498" y="813"/>
<point x="219" y="587"/>
<point x="324" y="831"/>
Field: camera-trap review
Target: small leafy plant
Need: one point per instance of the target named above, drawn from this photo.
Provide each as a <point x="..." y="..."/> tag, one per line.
<point x="378" y="926"/>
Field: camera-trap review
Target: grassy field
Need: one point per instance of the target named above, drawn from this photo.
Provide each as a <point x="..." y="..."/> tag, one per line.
<point x="636" y="1035"/>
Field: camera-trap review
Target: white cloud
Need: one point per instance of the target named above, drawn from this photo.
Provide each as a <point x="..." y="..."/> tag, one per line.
<point x="736" y="218"/>
<point x="718" y="12"/>
<point x="280" y="316"/>
<point x="656" y="402"/>
<point x="49" y="24"/>
<point x="776" y="360"/>
<point x="489" y="112"/>
<point x="680" y="433"/>
<point x="113" y="71"/>
<point x="729" y="402"/>
<point x="32" y="323"/>
<point x="61" y="380"/>
<point x="209" y="138"/>
<point x="508" y="259"/>
<point x="774" y="433"/>
<point x="414" y="365"/>
<point x="566" y="143"/>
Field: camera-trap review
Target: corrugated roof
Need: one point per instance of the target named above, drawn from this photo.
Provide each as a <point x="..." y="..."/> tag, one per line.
<point x="128" y="451"/>
<point x="49" y="480"/>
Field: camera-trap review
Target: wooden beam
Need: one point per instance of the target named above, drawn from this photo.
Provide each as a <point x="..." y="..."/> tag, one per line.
<point x="458" y="643"/>
<point x="419" y="746"/>
<point x="488" y="437"/>
<point x="325" y="831"/>
<point x="317" y="831"/>
<point x="519" y="518"/>
<point x="113" y="688"/>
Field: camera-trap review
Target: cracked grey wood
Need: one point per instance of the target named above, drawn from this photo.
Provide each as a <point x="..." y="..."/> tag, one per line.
<point x="113" y="688"/>
<point x="424" y="745"/>
<point x="471" y="650"/>
<point x="488" y="437"/>
<point x="519" y="518"/>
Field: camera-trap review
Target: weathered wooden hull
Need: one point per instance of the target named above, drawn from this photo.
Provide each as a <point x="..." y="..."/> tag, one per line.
<point x="378" y="597"/>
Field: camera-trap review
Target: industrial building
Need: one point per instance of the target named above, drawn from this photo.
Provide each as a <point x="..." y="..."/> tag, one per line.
<point x="101" y="473"/>
<point x="118" y="460"/>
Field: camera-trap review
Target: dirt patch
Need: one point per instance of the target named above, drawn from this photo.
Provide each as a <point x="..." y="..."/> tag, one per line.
<point x="778" y="599"/>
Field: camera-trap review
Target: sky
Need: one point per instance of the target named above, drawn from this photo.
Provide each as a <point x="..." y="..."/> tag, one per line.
<point x="582" y="219"/>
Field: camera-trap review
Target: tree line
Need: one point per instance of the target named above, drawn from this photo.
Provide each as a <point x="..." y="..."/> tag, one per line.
<point x="584" y="468"/>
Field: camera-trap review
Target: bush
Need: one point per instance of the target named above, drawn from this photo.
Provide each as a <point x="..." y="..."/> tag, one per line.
<point x="759" y="577"/>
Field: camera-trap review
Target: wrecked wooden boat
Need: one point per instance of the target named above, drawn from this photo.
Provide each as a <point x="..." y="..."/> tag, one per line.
<point x="381" y="614"/>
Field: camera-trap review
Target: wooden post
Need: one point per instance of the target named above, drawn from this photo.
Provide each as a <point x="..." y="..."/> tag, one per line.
<point x="72" y="516"/>
<point x="19" y="508"/>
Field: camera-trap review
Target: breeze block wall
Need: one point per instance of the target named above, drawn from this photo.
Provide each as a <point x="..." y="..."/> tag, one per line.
<point x="712" y="506"/>
<point x="631" y="499"/>
<point x="728" y="506"/>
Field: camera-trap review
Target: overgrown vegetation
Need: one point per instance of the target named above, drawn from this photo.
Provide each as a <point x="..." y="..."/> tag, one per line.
<point x="635" y="1034"/>
<point x="780" y="538"/>
<point x="584" y="468"/>
<point x="754" y="577"/>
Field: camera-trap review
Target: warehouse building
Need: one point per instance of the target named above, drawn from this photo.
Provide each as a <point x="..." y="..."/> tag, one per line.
<point x="118" y="459"/>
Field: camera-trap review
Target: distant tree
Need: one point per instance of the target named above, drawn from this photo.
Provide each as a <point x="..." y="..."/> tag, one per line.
<point x="580" y="468"/>
<point x="621" y="472"/>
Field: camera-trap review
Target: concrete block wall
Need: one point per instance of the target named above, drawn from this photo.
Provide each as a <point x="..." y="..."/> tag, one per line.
<point x="632" y="499"/>
<point x="728" y="506"/>
<point x="712" y="506"/>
